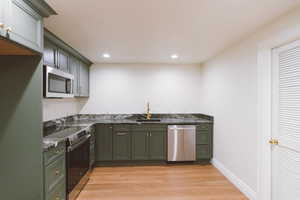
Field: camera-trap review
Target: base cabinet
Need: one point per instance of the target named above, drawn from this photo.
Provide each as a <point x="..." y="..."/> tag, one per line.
<point x="121" y="146"/>
<point x="145" y="142"/>
<point x="104" y="141"/>
<point x="130" y="142"/>
<point x="204" y="147"/>
<point x="157" y="145"/>
<point x="149" y="142"/>
<point x="55" y="173"/>
<point x="140" y="145"/>
<point x="92" y="147"/>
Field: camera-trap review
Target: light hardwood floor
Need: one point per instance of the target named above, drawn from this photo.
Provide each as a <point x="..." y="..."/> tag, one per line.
<point x="179" y="182"/>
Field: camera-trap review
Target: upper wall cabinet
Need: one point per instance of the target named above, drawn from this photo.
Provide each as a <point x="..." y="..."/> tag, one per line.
<point x="22" y="21"/>
<point x="1" y="18"/>
<point x="74" y="69"/>
<point x="63" y="60"/>
<point x="50" y="55"/>
<point x="60" y="55"/>
<point x="84" y="79"/>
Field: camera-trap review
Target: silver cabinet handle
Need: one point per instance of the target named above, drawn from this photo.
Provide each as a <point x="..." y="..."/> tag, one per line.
<point x="121" y="134"/>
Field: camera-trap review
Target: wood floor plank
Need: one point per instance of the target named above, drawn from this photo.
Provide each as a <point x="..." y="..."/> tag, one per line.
<point x="175" y="182"/>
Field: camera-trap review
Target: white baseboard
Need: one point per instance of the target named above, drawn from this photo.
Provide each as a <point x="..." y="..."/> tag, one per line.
<point x="242" y="186"/>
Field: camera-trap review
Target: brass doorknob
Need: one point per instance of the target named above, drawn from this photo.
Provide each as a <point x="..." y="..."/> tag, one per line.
<point x="274" y="141"/>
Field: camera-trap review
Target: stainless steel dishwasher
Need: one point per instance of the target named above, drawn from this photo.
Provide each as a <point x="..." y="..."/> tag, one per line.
<point x="181" y="143"/>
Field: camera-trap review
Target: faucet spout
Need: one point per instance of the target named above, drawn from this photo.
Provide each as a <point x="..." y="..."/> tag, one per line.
<point x="148" y="111"/>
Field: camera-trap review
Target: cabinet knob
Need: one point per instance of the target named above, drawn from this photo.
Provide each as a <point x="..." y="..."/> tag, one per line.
<point x="57" y="172"/>
<point x="1" y="25"/>
<point x="57" y="198"/>
<point x="274" y="142"/>
<point x="8" y="29"/>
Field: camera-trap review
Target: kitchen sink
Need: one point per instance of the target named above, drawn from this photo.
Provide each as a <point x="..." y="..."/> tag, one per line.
<point x="149" y="120"/>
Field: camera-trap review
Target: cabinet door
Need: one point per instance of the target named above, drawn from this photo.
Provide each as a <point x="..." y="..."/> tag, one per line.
<point x="157" y="145"/>
<point x="203" y="151"/>
<point x="84" y="80"/>
<point x="63" y="60"/>
<point x="25" y="23"/>
<point x="140" y="147"/>
<point x="74" y="69"/>
<point x="50" y="56"/>
<point x="121" y="145"/>
<point x="204" y="145"/>
<point x="104" y="141"/>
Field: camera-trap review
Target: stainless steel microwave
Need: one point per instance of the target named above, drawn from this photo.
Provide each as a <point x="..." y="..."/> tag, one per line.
<point x="57" y="84"/>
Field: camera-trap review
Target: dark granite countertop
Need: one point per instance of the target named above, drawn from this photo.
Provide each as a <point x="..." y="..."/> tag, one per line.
<point x="61" y="135"/>
<point x="59" y="130"/>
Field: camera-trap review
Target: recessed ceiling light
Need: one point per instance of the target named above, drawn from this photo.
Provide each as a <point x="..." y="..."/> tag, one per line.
<point x="106" y="55"/>
<point x="174" y="56"/>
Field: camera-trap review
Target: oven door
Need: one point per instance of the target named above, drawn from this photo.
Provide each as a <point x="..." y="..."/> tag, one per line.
<point x="78" y="159"/>
<point x="58" y="84"/>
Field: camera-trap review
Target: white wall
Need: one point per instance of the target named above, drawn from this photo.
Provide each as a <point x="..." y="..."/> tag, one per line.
<point x="125" y="88"/>
<point x="229" y="90"/>
<point x="57" y="108"/>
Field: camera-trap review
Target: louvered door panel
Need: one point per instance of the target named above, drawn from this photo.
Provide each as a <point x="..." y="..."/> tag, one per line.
<point x="286" y="122"/>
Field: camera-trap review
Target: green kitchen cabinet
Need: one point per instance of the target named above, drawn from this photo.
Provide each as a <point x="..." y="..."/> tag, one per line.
<point x="74" y="70"/>
<point x="203" y="151"/>
<point x="84" y="78"/>
<point x="157" y="145"/>
<point x="50" y="54"/>
<point x="55" y="172"/>
<point x="204" y="141"/>
<point x="92" y="147"/>
<point x="63" y="60"/>
<point x="140" y="145"/>
<point x="149" y="142"/>
<point x="60" y="55"/>
<point x="59" y="192"/>
<point x="104" y="142"/>
<point x="23" y="22"/>
<point x="80" y="71"/>
<point x="121" y="143"/>
<point x="2" y="18"/>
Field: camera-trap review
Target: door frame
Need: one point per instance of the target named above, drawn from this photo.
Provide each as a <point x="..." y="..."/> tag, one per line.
<point x="264" y="73"/>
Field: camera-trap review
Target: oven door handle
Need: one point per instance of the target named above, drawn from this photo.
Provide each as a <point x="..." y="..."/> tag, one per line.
<point x="72" y="147"/>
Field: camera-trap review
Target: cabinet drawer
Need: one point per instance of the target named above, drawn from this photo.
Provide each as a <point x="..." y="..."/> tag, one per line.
<point x="26" y="24"/>
<point x="202" y="138"/>
<point x="203" y="151"/>
<point x="139" y="128"/>
<point x="58" y="193"/>
<point x="54" y="173"/>
<point x="54" y="153"/>
<point x="204" y="126"/>
<point x="120" y="128"/>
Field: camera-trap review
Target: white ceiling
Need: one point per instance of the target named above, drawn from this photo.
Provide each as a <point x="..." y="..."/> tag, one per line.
<point x="149" y="31"/>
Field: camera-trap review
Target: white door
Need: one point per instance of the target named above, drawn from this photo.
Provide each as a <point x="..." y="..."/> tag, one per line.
<point x="286" y="122"/>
